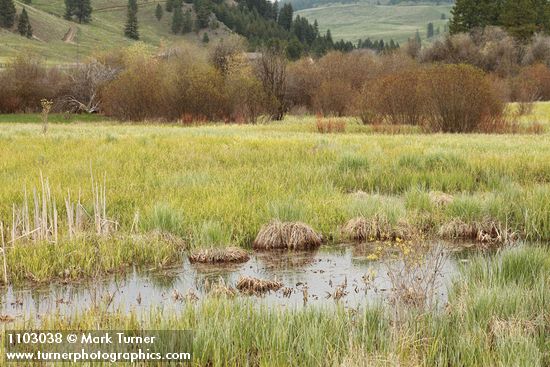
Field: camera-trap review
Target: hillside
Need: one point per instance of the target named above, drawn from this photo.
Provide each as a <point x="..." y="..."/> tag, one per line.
<point x="364" y="19"/>
<point x="104" y="32"/>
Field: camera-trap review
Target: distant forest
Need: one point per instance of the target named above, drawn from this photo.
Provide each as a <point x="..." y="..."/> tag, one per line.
<point x="307" y="4"/>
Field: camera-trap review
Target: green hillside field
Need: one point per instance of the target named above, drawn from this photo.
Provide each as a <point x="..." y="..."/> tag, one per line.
<point x="359" y="21"/>
<point x="104" y="32"/>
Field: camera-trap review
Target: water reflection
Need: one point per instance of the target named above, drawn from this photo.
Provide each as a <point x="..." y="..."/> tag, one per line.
<point x="317" y="275"/>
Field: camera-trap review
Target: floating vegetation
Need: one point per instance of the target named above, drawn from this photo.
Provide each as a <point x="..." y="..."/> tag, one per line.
<point x="255" y="286"/>
<point x="291" y="235"/>
<point x="219" y="255"/>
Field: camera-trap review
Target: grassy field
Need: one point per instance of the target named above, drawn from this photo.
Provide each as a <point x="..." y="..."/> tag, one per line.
<point x="172" y="187"/>
<point x="105" y="32"/>
<point x="497" y="315"/>
<point x="363" y="20"/>
<point x="218" y="184"/>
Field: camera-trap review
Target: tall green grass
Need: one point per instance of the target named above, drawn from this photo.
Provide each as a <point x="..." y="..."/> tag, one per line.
<point x="218" y="184"/>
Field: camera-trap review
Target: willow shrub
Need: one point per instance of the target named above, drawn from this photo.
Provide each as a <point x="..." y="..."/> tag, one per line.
<point x="460" y="99"/>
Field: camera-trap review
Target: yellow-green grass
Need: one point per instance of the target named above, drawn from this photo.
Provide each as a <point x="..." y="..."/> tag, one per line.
<point x="497" y="315"/>
<point x="218" y="184"/>
<point x="54" y="118"/>
<point x="105" y="32"/>
<point x="362" y="20"/>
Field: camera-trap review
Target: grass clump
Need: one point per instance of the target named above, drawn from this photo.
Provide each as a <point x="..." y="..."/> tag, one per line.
<point x="255" y="286"/>
<point x="287" y="235"/>
<point x="164" y="218"/>
<point x="377" y="228"/>
<point x="219" y="255"/>
<point x="487" y="231"/>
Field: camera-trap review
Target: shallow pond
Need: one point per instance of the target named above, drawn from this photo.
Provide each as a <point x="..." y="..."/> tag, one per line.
<point x="361" y="279"/>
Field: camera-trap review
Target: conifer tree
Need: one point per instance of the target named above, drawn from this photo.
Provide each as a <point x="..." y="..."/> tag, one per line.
<point x="519" y="17"/>
<point x="187" y="25"/>
<point x="159" y="12"/>
<point x="29" y="30"/>
<point x="7" y="13"/>
<point x="202" y="9"/>
<point x="430" y="32"/>
<point x="177" y="19"/>
<point x="131" y="29"/>
<point x="79" y="9"/>
<point x="205" y="38"/>
<point x="286" y="16"/>
<point x="169" y="5"/>
<point x="23" y="24"/>
<point x="417" y="38"/>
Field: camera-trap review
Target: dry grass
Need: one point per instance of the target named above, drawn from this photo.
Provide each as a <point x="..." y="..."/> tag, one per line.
<point x="220" y="289"/>
<point x="440" y="198"/>
<point x="287" y="235"/>
<point x="219" y="255"/>
<point x="255" y="286"/>
<point x="377" y="228"/>
<point x="487" y="232"/>
<point x="330" y="126"/>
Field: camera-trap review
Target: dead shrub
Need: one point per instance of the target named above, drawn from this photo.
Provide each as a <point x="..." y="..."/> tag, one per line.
<point x="377" y="228"/>
<point x="219" y="255"/>
<point x="415" y="277"/>
<point x="329" y="126"/>
<point x="287" y="235"/>
<point x="491" y="49"/>
<point x="84" y="84"/>
<point x="254" y="286"/>
<point x="487" y="232"/>
<point x="459" y="48"/>
<point x="460" y="99"/>
<point x="538" y="52"/>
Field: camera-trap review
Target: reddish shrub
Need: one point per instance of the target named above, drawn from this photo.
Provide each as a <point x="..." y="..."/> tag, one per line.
<point x="333" y="98"/>
<point x="138" y="93"/>
<point x="25" y="82"/>
<point x="329" y="126"/>
<point x="460" y="99"/>
<point x="395" y="98"/>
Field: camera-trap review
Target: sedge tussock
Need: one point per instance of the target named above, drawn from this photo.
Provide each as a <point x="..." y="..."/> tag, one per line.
<point x="487" y="232"/>
<point x="287" y="235"/>
<point x="219" y="255"/>
<point x="377" y="228"/>
<point x="220" y="289"/>
<point x="438" y="198"/>
<point x="255" y="286"/>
